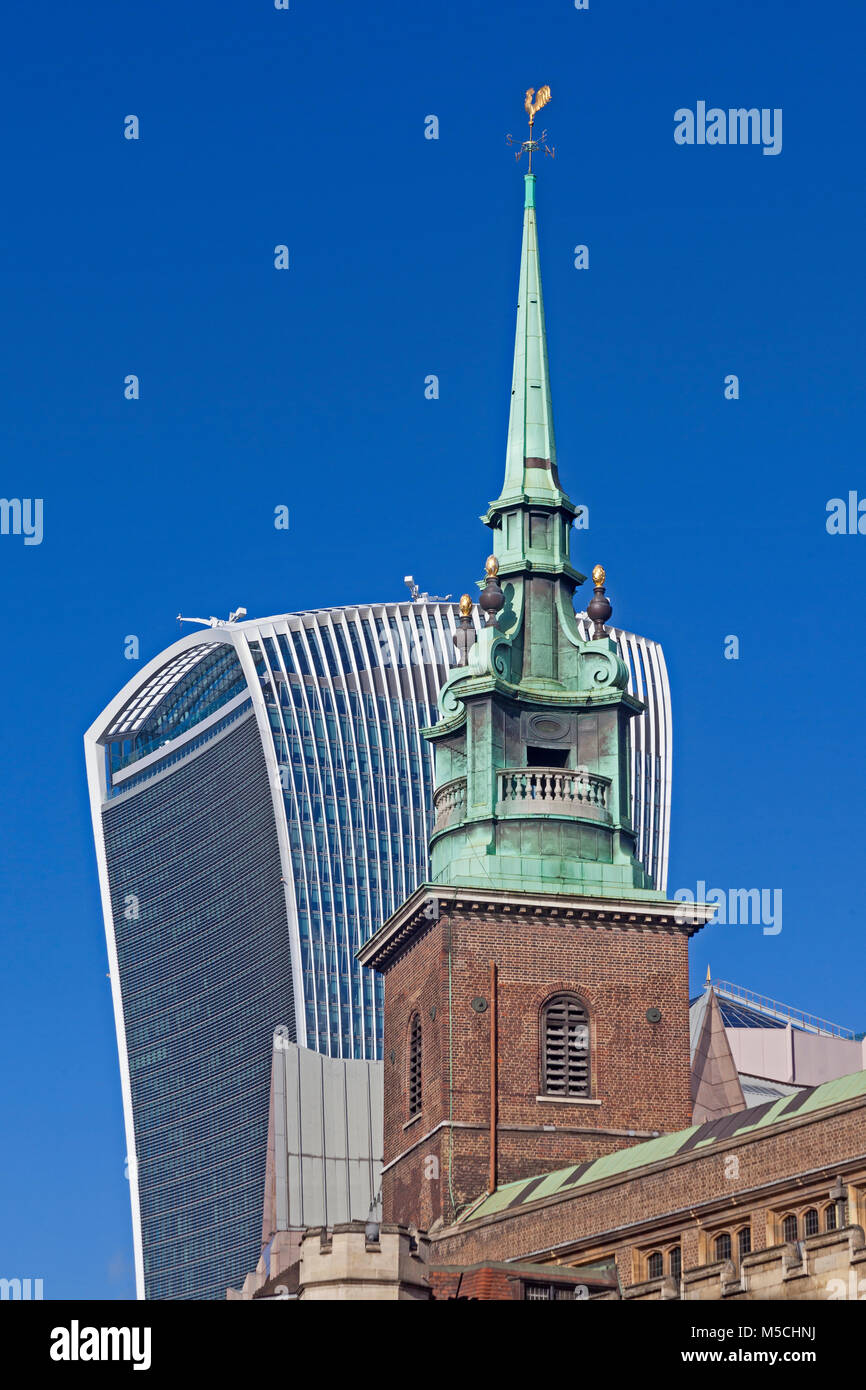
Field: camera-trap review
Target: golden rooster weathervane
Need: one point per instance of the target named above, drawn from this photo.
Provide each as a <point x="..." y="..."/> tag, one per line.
<point x="542" y="97"/>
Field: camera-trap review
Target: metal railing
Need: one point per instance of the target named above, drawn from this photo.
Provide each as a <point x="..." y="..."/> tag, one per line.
<point x="761" y="1003"/>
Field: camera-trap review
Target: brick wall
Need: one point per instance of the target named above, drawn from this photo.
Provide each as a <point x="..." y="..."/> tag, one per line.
<point x="487" y="1284"/>
<point x="639" y="1070"/>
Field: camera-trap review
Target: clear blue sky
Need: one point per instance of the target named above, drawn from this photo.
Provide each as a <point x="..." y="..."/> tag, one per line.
<point x="306" y="388"/>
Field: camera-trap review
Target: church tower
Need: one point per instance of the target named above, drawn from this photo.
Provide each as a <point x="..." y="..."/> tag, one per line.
<point x="536" y="989"/>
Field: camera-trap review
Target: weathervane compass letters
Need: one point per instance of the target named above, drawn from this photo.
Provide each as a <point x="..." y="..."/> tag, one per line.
<point x="542" y="97"/>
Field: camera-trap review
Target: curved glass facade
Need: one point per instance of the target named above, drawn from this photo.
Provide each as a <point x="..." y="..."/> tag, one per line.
<point x="261" y="803"/>
<point x="199" y="922"/>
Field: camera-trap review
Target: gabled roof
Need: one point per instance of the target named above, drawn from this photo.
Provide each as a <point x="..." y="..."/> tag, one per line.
<point x="698" y="1137"/>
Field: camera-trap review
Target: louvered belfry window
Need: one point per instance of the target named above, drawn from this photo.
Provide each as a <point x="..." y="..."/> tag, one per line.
<point x="565" y="1062"/>
<point x="415" y="1065"/>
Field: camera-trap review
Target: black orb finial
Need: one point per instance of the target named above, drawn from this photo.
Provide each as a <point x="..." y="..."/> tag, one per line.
<point x="492" y="599"/>
<point x="464" y="637"/>
<point x="599" y="607"/>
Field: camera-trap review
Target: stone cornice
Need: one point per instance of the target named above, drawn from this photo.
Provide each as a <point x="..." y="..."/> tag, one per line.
<point x="485" y="684"/>
<point x="423" y="909"/>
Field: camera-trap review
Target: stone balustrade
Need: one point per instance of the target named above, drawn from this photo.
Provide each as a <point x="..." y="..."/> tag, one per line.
<point x="449" y="803"/>
<point x="527" y="791"/>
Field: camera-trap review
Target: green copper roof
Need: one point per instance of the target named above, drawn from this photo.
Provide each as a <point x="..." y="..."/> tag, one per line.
<point x="804" y="1102"/>
<point x="530" y="456"/>
<point x="532" y="741"/>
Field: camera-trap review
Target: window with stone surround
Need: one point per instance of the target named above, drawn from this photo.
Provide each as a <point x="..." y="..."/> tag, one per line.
<point x="565" y="1048"/>
<point x="550" y="1293"/>
<point x="798" y="1223"/>
<point x="728" y="1243"/>
<point x="658" y="1260"/>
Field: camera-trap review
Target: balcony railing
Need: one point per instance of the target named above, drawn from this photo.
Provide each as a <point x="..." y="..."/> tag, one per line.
<point x="530" y="791"/>
<point x="556" y="791"/>
<point x="449" y="803"/>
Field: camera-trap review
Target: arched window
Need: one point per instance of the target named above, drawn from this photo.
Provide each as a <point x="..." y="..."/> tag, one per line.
<point x="415" y="1065"/>
<point x="810" y="1222"/>
<point x="830" y="1217"/>
<point x="723" y="1246"/>
<point x="790" y="1230"/>
<point x="744" y="1241"/>
<point x="565" y="1047"/>
<point x="655" y="1265"/>
<point x="675" y="1261"/>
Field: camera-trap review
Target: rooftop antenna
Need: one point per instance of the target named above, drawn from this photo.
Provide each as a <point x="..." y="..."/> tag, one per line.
<point x="531" y="146"/>
<point x="233" y="617"/>
<point x="418" y="597"/>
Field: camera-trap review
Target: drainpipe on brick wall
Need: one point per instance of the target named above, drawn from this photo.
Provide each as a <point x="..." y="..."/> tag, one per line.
<point x="450" y="1074"/>
<point x="494" y="1024"/>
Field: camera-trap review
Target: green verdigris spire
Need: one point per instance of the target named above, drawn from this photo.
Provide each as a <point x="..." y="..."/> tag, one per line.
<point x="530" y="455"/>
<point x="531" y="475"/>
<point x="532" y="749"/>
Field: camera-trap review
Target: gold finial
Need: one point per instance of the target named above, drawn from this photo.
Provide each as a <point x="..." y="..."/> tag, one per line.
<point x="491" y="566"/>
<point x="542" y="97"/>
<point x="599" y="607"/>
<point x="709" y="977"/>
<point x="465" y="605"/>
